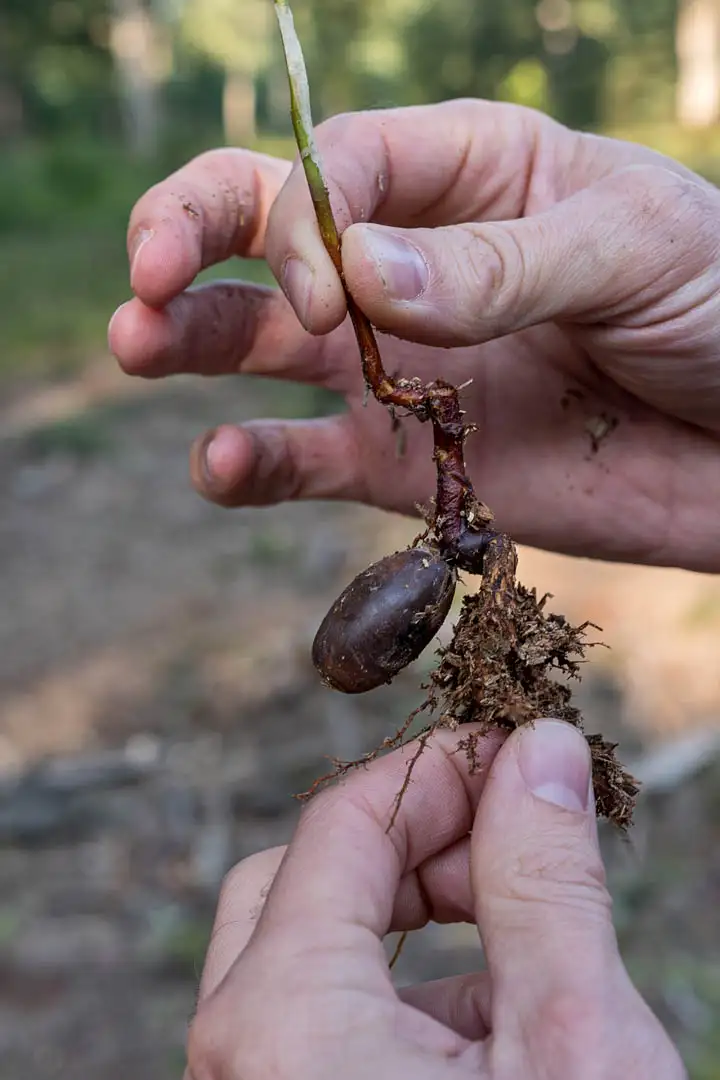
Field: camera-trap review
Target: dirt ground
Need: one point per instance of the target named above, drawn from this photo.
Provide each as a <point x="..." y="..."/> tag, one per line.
<point x="158" y="709"/>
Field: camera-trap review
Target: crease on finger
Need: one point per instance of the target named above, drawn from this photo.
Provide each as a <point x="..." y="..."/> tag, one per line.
<point x="438" y="890"/>
<point x="453" y="181"/>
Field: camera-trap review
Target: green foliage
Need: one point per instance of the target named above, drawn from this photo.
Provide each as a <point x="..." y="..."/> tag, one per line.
<point x="591" y="60"/>
<point x="57" y="293"/>
<point x="65" y="193"/>
<point x="83" y="438"/>
<point x="64" y="208"/>
<point x="527" y="83"/>
<point x="459" y="49"/>
<point x="62" y="182"/>
<point x="185" y="943"/>
<point x="67" y="183"/>
<point x="51" y="55"/>
<point x="236" y="36"/>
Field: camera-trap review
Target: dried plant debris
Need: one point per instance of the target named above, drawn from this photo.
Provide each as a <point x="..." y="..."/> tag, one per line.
<point x="599" y="428"/>
<point x="508" y="664"/>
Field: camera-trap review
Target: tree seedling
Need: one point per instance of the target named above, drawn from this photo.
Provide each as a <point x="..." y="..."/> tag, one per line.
<point x="509" y="660"/>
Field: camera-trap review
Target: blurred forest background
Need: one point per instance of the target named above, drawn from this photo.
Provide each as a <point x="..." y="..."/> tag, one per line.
<point x="99" y="98"/>
<point x="157" y="705"/>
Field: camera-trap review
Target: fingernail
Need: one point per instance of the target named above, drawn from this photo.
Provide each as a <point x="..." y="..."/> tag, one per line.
<point x="114" y="316"/>
<point x="139" y="242"/>
<point x="297" y="282"/>
<point x="402" y="268"/>
<point x="555" y="764"/>
<point x="219" y="456"/>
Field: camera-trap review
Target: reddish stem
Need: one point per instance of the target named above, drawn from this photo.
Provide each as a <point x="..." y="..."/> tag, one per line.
<point x="460" y="522"/>
<point x="438" y="402"/>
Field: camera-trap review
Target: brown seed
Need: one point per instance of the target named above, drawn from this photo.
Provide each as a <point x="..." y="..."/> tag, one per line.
<point x="383" y="620"/>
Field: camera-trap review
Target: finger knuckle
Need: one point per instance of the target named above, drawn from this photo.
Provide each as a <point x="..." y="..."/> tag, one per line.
<point x="340" y="126"/>
<point x="232" y="1039"/>
<point x="203" y="1050"/>
<point x="557" y="873"/>
<point x="225" y="185"/>
<point x="278" y="471"/>
<point x="669" y="204"/>
<point x="243" y="878"/>
<point x="290" y="466"/>
<point x="570" y="1031"/>
<point x="493" y="266"/>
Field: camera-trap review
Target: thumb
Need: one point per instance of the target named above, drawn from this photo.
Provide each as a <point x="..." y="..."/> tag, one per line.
<point x="634" y="236"/>
<point x="539" y="886"/>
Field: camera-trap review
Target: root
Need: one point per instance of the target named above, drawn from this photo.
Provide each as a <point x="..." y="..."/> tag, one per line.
<point x="342" y="768"/>
<point x="510" y="663"/>
<point x="398" y="949"/>
<point x="423" y="740"/>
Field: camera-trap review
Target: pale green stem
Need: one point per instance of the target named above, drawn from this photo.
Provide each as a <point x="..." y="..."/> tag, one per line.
<point x="303" y="127"/>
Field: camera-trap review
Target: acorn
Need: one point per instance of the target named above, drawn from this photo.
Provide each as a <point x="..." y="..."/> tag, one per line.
<point x="383" y="620"/>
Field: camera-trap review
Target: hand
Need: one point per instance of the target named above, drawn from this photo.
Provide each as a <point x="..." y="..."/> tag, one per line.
<point x="575" y="279"/>
<point x="297" y="987"/>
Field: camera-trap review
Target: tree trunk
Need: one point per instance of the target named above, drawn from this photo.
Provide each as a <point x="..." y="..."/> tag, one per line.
<point x="239" y="108"/>
<point x="141" y="65"/>
<point x="12" y="116"/>
<point x="697" y="42"/>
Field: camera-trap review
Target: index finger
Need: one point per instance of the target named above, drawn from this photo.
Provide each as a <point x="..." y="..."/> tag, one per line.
<point x="344" y="865"/>
<point x="214" y="207"/>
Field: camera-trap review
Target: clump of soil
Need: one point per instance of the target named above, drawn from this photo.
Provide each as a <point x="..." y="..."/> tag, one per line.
<point x="508" y="664"/>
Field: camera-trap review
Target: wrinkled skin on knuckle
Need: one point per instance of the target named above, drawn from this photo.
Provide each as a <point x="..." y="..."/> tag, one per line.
<point x="557" y="874"/>
<point x="493" y="272"/>
<point x="227" y="183"/>
<point x="233" y="1037"/>
<point x="571" y="1033"/>
<point x="664" y="241"/>
<point x="676" y="216"/>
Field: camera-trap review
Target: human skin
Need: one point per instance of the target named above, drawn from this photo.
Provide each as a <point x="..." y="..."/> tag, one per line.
<point x="297" y="986"/>
<point x="549" y="261"/>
